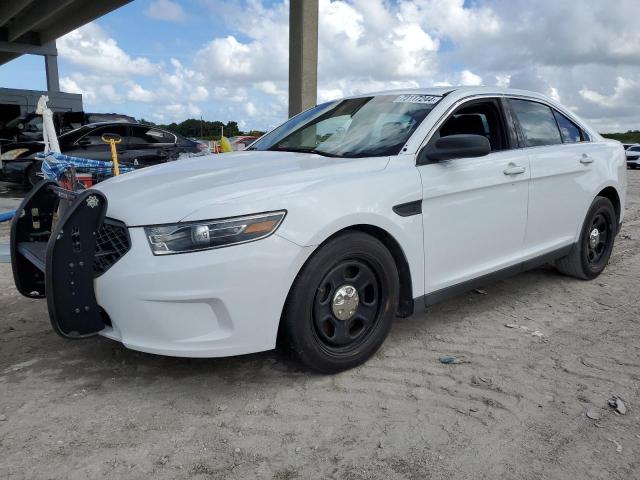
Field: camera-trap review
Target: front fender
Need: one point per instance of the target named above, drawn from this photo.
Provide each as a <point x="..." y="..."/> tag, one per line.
<point x="369" y="201"/>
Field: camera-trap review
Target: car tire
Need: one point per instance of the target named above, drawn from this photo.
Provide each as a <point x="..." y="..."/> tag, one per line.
<point x="341" y="306"/>
<point x="589" y="257"/>
<point x="32" y="173"/>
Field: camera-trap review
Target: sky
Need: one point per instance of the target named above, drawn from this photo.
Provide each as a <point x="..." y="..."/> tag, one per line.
<point x="168" y="60"/>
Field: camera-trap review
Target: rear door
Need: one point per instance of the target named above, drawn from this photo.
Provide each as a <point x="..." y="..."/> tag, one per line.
<point x="561" y="175"/>
<point x="148" y="145"/>
<point x="474" y="209"/>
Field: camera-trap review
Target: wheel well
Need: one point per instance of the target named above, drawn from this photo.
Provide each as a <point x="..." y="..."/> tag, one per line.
<point x="405" y="301"/>
<point x="613" y="196"/>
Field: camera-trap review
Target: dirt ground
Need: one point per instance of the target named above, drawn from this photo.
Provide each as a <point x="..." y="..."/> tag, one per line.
<point x="517" y="409"/>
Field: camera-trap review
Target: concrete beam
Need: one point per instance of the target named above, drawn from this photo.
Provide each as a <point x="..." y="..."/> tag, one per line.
<point x="51" y="68"/>
<point x="27" y="48"/>
<point x="30" y="18"/>
<point x="11" y="8"/>
<point x="76" y="14"/>
<point x="303" y="55"/>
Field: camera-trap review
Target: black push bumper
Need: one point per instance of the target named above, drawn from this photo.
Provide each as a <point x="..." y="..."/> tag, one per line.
<point x="54" y="238"/>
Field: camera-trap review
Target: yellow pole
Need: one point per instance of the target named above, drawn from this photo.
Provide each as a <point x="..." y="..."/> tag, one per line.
<point x="112" y="140"/>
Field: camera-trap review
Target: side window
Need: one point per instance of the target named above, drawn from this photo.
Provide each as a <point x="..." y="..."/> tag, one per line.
<point x="537" y="122"/>
<point x="480" y="118"/>
<point x="144" y="135"/>
<point x="570" y="132"/>
<point x="94" y="137"/>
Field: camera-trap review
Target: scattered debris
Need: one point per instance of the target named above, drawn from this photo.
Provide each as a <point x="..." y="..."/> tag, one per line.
<point x="473" y="409"/>
<point x="535" y="333"/>
<point x="618" y="446"/>
<point x="594" y="413"/>
<point x="450" y="359"/>
<point x="298" y="449"/>
<point x="3" y="418"/>
<point x="222" y="408"/>
<point x="479" y="291"/>
<point x="617" y="403"/>
<point x="237" y="450"/>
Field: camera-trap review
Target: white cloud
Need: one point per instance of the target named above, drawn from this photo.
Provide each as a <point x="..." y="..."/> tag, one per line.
<point x="91" y="48"/>
<point x="467" y="77"/>
<point x="139" y="94"/>
<point x="166" y="10"/>
<point x="589" y="57"/>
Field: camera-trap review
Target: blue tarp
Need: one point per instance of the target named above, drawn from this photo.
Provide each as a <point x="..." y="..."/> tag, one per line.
<point x="6" y="216"/>
<point x="54" y="165"/>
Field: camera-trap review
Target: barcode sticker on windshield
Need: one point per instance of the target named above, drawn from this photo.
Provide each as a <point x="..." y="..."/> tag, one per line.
<point x="428" y="99"/>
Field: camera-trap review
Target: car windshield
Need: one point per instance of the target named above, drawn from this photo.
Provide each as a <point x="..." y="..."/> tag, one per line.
<point x="357" y="127"/>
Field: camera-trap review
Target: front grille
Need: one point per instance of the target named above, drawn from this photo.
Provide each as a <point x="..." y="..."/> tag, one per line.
<point x="112" y="242"/>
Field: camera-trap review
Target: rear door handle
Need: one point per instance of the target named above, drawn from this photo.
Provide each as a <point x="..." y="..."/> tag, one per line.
<point x="586" y="159"/>
<point x="514" y="169"/>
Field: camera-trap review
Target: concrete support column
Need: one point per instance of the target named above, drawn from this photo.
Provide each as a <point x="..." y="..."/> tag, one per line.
<point x="51" y="67"/>
<point x="303" y="55"/>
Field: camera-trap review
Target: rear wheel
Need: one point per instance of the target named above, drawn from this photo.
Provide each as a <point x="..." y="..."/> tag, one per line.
<point x="341" y="306"/>
<point x="590" y="255"/>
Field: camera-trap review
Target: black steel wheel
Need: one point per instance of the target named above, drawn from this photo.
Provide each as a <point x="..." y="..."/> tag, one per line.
<point x="341" y="306"/>
<point x="590" y="255"/>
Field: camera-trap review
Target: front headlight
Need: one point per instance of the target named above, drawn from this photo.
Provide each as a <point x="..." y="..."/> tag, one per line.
<point x="208" y="234"/>
<point x="13" y="154"/>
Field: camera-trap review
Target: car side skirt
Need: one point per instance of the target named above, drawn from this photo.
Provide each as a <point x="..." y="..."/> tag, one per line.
<point x="425" y="301"/>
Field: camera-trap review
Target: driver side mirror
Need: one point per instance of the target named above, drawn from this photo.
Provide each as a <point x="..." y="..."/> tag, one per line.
<point x="454" y="146"/>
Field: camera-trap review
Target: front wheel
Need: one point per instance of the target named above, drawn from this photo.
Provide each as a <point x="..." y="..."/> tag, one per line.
<point x="341" y="306"/>
<point x="590" y="255"/>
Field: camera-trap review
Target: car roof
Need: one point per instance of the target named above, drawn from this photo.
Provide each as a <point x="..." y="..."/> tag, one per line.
<point x="462" y="91"/>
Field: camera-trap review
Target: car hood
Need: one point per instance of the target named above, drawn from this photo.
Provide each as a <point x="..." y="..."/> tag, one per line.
<point x="216" y="186"/>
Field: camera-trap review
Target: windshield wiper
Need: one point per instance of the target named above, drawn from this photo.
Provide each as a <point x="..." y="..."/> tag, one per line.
<point x="307" y="150"/>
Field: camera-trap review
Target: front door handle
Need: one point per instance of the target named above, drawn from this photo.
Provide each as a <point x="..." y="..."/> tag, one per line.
<point x="586" y="159"/>
<point x="514" y="169"/>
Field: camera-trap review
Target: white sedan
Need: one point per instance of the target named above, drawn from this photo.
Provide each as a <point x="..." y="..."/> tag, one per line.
<point x="348" y="215"/>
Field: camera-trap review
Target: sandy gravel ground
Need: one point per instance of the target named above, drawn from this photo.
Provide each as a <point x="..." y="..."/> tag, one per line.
<point x="92" y="409"/>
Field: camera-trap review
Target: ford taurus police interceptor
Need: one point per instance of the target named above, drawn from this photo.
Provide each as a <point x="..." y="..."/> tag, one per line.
<point x="327" y="228"/>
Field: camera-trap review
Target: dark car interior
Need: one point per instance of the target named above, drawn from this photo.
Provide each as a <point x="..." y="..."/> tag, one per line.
<point x="481" y="118"/>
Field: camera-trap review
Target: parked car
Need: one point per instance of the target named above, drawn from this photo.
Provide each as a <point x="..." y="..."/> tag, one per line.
<point x="344" y="217"/>
<point x="142" y="145"/>
<point x="633" y="156"/>
<point x="29" y="127"/>
<point x="241" y="142"/>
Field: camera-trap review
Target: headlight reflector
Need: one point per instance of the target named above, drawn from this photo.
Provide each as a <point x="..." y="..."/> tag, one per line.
<point x="13" y="154"/>
<point x="208" y="234"/>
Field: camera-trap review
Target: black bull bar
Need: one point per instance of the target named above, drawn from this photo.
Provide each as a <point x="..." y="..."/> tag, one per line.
<point x="53" y="251"/>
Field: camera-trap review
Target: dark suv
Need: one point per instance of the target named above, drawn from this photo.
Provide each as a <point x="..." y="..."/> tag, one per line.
<point x="142" y="145"/>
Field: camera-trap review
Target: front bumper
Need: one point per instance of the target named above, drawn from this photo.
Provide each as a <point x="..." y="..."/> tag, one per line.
<point x="204" y="304"/>
<point x="633" y="162"/>
<point x="99" y="280"/>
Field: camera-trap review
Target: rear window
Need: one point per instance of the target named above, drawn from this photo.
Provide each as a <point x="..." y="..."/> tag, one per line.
<point x="537" y="122"/>
<point x="150" y="135"/>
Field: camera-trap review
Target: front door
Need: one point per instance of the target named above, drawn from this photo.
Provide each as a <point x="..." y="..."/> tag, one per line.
<point x="92" y="146"/>
<point x="474" y="209"/>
